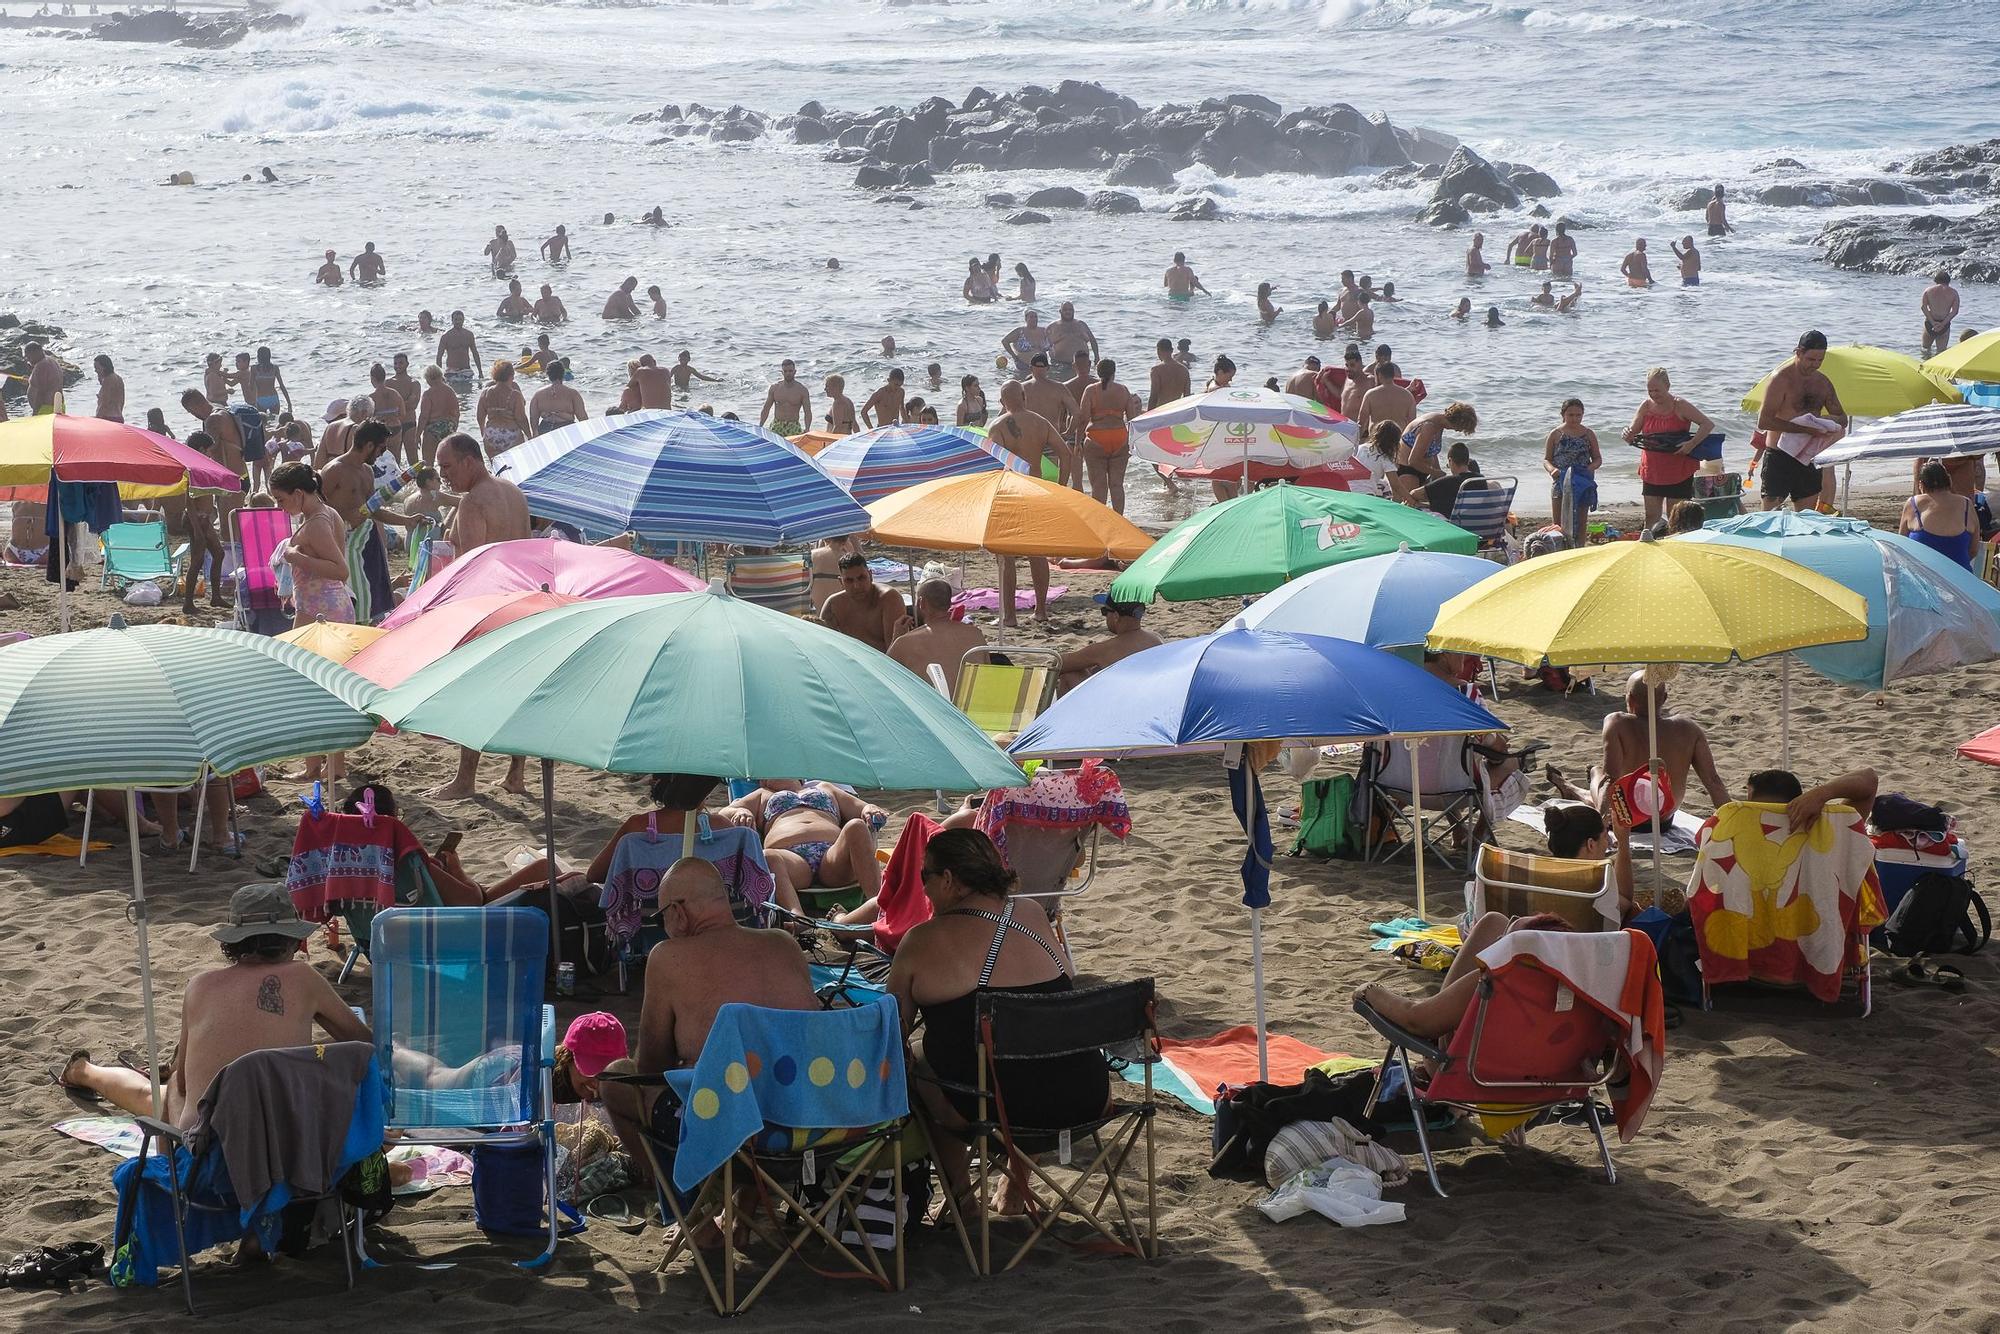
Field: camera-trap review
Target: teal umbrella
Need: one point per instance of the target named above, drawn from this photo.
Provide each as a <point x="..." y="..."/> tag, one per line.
<point x="1254" y="543"/>
<point x="163" y="706"/>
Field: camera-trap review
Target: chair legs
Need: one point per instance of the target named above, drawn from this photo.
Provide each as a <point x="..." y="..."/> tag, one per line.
<point x="1603" y="1148"/>
<point x="1417" y="1115"/>
<point x="555" y="1217"/>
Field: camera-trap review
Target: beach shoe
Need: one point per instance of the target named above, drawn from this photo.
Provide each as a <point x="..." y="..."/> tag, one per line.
<point x="133" y="1061"/>
<point x="1921" y="972"/>
<point x="50" y="1266"/>
<point x="74" y="1090"/>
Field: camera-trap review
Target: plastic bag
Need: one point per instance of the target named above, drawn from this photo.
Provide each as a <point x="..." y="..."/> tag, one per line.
<point x="143" y="594"/>
<point x="1348" y="1194"/>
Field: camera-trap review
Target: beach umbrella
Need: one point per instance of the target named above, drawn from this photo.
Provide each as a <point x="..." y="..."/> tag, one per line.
<point x="1985" y="747"/>
<point x="163" y="706"/>
<point x="336" y="641"/>
<point x="1936" y="431"/>
<point x="1976" y="358"/>
<point x="1387" y="601"/>
<point x="880" y="462"/>
<point x="533" y="563"/>
<point x="397" y="655"/>
<point x="1255" y="542"/>
<point x="1871" y="382"/>
<point x="1242" y="426"/>
<point x="1216" y="693"/>
<point x="1004" y="514"/>
<point x="1655" y="604"/>
<point x="681" y="476"/>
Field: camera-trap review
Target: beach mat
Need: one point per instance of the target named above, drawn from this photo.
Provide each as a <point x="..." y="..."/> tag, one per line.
<point x="114" y="1134"/>
<point x="1682" y="832"/>
<point x="988" y="599"/>
<point x="1191" y="1069"/>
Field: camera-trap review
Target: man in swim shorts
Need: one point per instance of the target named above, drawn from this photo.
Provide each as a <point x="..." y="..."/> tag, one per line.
<point x="367" y="268"/>
<point x="1069" y="336"/>
<point x="1180" y="280"/>
<point x="1718" y="215"/>
<point x="329" y="274"/>
<point x="1638" y="273"/>
<point x="1683" y="747"/>
<point x="458" y="350"/>
<point x="1940" y="307"/>
<point x="788" y="404"/>
<point x="1690" y="261"/>
<point x="1797" y="388"/>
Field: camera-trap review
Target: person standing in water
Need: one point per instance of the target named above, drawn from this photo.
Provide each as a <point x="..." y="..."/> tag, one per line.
<point x="329" y="274"/>
<point x="500" y="253"/>
<point x="1180" y="280"/>
<point x="367" y="268"/>
<point x="1940" y="308"/>
<point x="1690" y="261"/>
<point x="556" y="249"/>
<point x="1562" y="253"/>
<point x="1718" y="215"/>
<point x="1475" y="257"/>
<point x="1169" y="377"/>
<point x="1638" y="273"/>
<point x="787" y="404"/>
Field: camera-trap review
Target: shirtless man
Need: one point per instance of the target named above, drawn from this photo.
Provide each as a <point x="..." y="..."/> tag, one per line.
<point x="1562" y="253"/>
<point x="367" y="267"/>
<point x="1125" y="634"/>
<point x="1638" y="273"/>
<point x="548" y="307"/>
<point x="1069" y="336"/>
<point x="1690" y="261"/>
<point x="1718" y="215"/>
<point x="788" y="405"/>
<point x="824" y="562"/>
<point x="1170" y="378"/>
<point x="1683" y="746"/>
<point x="409" y="393"/>
<point x="620" y="304"/>
<point x="1348" y="299"/>
<point x="215" y="380"/>
<point x="885" y="406"/>
<point x="656" y="386"/>
<point x="390" y="408"/>
<point x="1475" y="257"/>
<point x="1940" y="307"/>
<point x="1325" y="322"/>
<point x="931" y="638"/>
<point x="1361" y="323"/>
<point x="1386" y="402"/>
<point x="658" y="301"/>
<point x="839" y="408"/>
<point x="863" y="609"/>
<point x="1027" y="434"/>
<point x="110" y="390"/>
<point x="339" y="432"/>
<point x="514" y="306"/>
<point x="685" y="374"/>
<point x="1305" y="382"/>
<point x="1056" y="404"/>
<point x="1180" y="280"/>
<point x="500" y="253"/>
<point x="221" y="428"/>
<point x="1797" y="388"/>
<point x="264" y="997"/>
<point x="329" y="274"/>
<point x="556" y="249"/>
<point x="437" y="414"/>
<point x="707" y="961"/>
<point x="347" y="484"/>
<point x="458" y="350"/>
<point x="489" y="509"/>
<point x="1023" y="342"/>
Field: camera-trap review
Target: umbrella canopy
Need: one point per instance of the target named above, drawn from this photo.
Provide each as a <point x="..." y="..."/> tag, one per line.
<point x="880" y="462"/>
<point x="698" y="683"/>
<point x="532" y="563"/>
<point x="1871" y="382"/>
<point x="681" y="476"/>
<point x="1386" y="601"/>
<point x="1976" y="358"/>
<point x="1240" y="426"/>
<point x="1985" y="747"/>
<point x="1256" y="542"/>
<point x="1196" y="695"/>
<point x="1006" y="514"/>
<point x="1939" y="430"/>
<point x="88" y="449"/>
<point x="1645" y="602"/>
<point x="334" y="641"/>
<point x="408" y="649"/>
<point x="1926" y="613"/>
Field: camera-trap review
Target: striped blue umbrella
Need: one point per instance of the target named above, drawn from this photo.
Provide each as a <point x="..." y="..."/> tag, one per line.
<point x="878" y="463"/>
<point x="1937" y="431"/>
<point x="681" y="476"/>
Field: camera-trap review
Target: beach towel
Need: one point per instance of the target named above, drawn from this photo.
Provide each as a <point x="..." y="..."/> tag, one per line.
<point x="118" y="1135"/>
<point x="1815" y="436"/>
<point x="432" y="1167"/>
<point x="1409" y="930"/>
<point x="347" y="863"/>
<point x="55" y="845"/>
<point x="632" y="886"/>
<point x="1058" y="799"/>
<point x="1617" y="973"/>
<point x="1680" y="837"/>
<point x="988" y="599"/>
<point x="787" y="1068"/>
<point x="1230" y="1058"/>
<point x="357" y="571"/>
<point x="901" y="903"/>
<point x="1775" y="906"/>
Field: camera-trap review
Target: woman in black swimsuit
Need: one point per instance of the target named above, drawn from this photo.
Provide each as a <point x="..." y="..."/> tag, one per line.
<point x="981" y="938"/>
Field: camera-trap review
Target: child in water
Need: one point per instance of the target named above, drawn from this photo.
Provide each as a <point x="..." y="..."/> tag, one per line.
<point x="1572" y="457"/>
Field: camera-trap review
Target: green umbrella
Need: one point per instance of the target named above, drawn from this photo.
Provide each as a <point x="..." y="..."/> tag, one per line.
<point x="162" y="706"/>
<point x="1254" y="543"/>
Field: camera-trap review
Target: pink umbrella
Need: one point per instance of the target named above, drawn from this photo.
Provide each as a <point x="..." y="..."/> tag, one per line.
<point x="409" y="648"/>
<point x="569" y="568"/>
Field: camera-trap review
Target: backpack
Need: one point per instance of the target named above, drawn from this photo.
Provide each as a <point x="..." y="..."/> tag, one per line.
<point x="250" y="426"/>
<point x="1936" y="914"/>
<point x="1323" y="827"/>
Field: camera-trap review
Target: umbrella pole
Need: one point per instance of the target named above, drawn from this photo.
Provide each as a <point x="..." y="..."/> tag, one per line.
<point x="549" y="839"/>
<point x="137" y="912"/>
<point x="62" y="566"/>
<point x="1785" y="714"/>
<point x="200" y="810"/>
<point x="1417" y="818"/>
<point x="1846" y="480"/>
<point x="1257" y="987"/>
<point x="1653" y="770"/>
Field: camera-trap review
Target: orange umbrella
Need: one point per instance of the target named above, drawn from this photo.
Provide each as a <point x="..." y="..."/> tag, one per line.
<point x="403" y="652"/>
<point x="334" y="641"/>
<point x="1005" y="514"/>
<point x="812" y="442"/>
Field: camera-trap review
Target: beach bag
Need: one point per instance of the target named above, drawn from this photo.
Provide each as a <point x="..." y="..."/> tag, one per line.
<point x="249" y="425"/>
<point x="1324" y="830"/>
<point x="1940" y="914"/>
<point x="1249" y="1116"/>
<point x="509" y="1190"/>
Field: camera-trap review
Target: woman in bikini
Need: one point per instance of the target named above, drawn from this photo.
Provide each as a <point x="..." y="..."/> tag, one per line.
<point x="1940" y="518"/>
<point x="1417" y="463"/>
<point x="437" y="413"/>
<point x="971" y="402"/>
<point x="558" y="405"/>
<point x="502" y="412"/>
<point x="316" y="550"/>
<point x="815" y="834"/>
<point x="1104" y="409"/>
<point x="1027" y="292"/>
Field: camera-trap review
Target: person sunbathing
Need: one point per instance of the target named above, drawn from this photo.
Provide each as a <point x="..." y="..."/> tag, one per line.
<point x="816" y="834"/>
<point x="1683" y="746"/>
<point x="263" y="997"/>
<point x="674" y="797"/>
<point x="456" y="886"/>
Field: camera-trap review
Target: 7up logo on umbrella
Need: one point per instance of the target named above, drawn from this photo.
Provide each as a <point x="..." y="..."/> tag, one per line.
<point x="1329" y="533"/>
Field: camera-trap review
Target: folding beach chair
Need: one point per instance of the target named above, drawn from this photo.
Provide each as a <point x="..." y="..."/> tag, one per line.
<point x="464" y="1043"/>
<point x="414" y="887"/>
<point x="1521" y="884"/>
<point x="1720" y="495"/>
<point x="183" y="1200"/>
<point x="808" y="1107"/>
<point x="260" y="608"/>
<point x="1532" y="1049"/>
<point x="1047" y="833"/>
<point x="136" y="553"/>
<point x="1460" y="805"/>
<point x="771" y="579"/>
<point x="1003" y="688"/>
<point x="631" y="900"/>
<point x="1481" y="508"/>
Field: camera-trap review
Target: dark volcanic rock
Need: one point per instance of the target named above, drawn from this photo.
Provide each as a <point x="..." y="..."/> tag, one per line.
<point x="806" y="130"/>
<point x="876" y="176"/>
<point x="1444" y="213"/>
<point x="1470" y="174"/>
<point x="1000" y="199"/>
<point x="1531" y="183"/>
<point x="1141" y="169"/>
<point x="1057" y="196"/>
<point x="1957" y="158"/>
<point x="15" y="334"/>
<point x="1026" y="217"/>
<point x="1114" y="201"/>
<point x="1201" y="208"/>
<point x="182" y="28"/>
<point x="1920" y="243"/>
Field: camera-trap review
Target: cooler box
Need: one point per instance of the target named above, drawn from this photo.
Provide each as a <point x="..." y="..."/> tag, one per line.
<point x="1898" y="868"/>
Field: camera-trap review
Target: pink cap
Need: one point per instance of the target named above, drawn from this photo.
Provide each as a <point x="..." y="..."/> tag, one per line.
<point x="594" y="1041"/>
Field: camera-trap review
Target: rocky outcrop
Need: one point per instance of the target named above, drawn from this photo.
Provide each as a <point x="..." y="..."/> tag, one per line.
<point x="15" y="334"/>
<point x="1917" y="243"/>
<point x="1957" y="174"/>
<point x="1141" y="169"/>
<point x="1467" y="184"/>
<point x="1981" y="157"/>
<point x="1114" y="201"/>
<point x="1025" y="218"/>
<point x="208" y="31"/>
<point x="1057" y="196"/>
<point x="1199" y="208"/>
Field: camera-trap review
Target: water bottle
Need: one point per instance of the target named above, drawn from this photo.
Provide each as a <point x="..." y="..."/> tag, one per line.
<point x="565" y="979"/>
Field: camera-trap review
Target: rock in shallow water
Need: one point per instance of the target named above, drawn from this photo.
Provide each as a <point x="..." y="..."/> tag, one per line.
<point x="1202" y="208"/>
<point x="1919" y="243"/>
<point x="1025" y="218"/>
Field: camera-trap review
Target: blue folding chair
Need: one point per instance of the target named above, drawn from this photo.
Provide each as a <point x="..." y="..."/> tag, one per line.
<point x="466" y="1047"/>
<point x="1481" y="508"/>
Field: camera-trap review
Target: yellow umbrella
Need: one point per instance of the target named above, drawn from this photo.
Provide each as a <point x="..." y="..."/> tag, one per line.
<point x="1977" y="358"/>
<point x="333" y="641"/>
<point x="1871" y="382"/>
<point x="1005" y="514"/>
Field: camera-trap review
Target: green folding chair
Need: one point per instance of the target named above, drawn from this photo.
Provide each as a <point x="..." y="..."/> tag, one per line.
<point x="137" y="553"/>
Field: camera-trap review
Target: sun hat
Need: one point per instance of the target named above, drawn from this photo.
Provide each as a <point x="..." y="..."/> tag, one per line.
<point x="263" y="909"/>
<point x="594" y="1041"/>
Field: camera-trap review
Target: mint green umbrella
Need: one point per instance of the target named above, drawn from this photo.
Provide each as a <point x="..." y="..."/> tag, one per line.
<point x="163" y="706"/>
<point x="1254" y="543"/>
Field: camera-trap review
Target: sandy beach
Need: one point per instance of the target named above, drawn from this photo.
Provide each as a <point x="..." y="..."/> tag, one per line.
<point x="1802" y="1167"/>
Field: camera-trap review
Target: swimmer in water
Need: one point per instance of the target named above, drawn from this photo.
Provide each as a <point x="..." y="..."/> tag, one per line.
<point x="684" y="372"/>
<point x="426" y="323"/>
<point x="1638" y="273"/>
<point x="1545" y="298"/>
<point x="1493" y="320"/>
<point x="367" y="267"/>
<point x="1475" y="260"/>
<point x="620" y="305"/>
<point x="1265" y="310"/>
<point x="659" y="302"/>
<point x="1180" y="280"/>
<point x="832" y="264"/>
<point x="1464" y="310"/>
<point x="556" y="249"/>
<point x="1690" y="261"/>
<point x="514" y="306"/>
<point x="500" y="253"/>
<point x="329" y="274"/>
<point x="549" y="308"/>
<point x="657" y="218"/>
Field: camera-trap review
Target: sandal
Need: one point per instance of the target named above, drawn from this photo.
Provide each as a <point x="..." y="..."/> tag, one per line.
<point x="615" y="1210"/>
<point x="1921" y="972"/>
<point x="74" y="1090"/>
<point x="48" y="1266"/>
<point x="134" y="1061"/>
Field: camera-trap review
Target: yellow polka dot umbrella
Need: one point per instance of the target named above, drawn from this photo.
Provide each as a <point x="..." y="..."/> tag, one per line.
<point x="1649" y="603"/>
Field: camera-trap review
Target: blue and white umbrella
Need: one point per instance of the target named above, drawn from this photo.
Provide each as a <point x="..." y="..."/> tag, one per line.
<point x="883" y="461"/>
<point x="1387" y="601"/>
<point x="1939" y="430"/>
<point x="681" y="476"/>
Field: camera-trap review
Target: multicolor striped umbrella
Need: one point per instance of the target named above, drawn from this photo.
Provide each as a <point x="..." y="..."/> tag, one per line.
<point x="1237" y="427"/>
<point x="87" y="449"/>
<point x="681" y="476"/>
<point x="883" y="461"/>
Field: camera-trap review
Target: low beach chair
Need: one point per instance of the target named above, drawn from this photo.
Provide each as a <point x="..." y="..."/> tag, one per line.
<point x="808" y="1107"/>
<point x="1521" y="884"/>
<point x="183" y="1200"/>
<point x="136" y="553"/>
<point x="465" y="1045"/>
<point x="1481" y="508"/>
<point x="1003" y="688"/>
<point x="1720" y="495"/>
<point x="1048" y="831"/>
<point x="260" y="608"/>
<point x="1533" y="1048"/>
<point x="630" y="898"/>
<point x="771" y="579"/>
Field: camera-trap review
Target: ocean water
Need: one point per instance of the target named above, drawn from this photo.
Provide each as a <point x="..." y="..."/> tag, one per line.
<point x="420" y="126"/>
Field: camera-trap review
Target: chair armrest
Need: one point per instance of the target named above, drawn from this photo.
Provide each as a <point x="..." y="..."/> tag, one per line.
<point x="158" y="1129"/>
<point x="1423" y="1047"/>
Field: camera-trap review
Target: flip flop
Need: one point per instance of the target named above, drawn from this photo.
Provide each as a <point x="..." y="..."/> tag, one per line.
<point x="616" y="1211"/>
<point x="134" y="1062"/>
<point x="1921" y="972"/>
<point x="74" y="1090"/>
